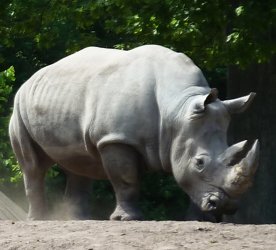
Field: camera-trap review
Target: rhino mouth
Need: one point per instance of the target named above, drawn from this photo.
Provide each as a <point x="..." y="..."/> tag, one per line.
<point x="219" y="202"/>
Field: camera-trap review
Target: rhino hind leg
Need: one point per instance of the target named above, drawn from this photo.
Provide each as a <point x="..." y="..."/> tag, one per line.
<point x="34" y="164"/>
<point x="121" y="163"/>
<point x="77" y="195"/>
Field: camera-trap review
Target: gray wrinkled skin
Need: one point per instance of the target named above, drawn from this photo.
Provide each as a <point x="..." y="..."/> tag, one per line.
<point x="104" y="113"/>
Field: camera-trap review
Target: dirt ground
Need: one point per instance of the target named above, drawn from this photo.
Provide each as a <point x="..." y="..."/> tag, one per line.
<point x="164" y="235"/>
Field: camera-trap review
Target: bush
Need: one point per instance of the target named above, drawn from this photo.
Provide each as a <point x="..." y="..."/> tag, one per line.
<point x="10" y="175"/>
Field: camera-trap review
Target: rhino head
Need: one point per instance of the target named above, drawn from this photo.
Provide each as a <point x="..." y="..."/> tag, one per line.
<point x="213" y="174"/>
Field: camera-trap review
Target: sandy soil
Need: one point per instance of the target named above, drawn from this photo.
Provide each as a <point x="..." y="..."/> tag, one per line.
<point x="165" y="235"/>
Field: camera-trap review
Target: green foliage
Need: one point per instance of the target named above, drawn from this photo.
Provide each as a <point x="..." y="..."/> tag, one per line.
<point x="10" y="175"/>
<point x="161" y="198"/>
<point x="6" y="79"/>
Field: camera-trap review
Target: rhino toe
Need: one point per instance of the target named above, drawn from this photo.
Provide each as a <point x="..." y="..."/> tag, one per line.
<point x="126" y="214"/>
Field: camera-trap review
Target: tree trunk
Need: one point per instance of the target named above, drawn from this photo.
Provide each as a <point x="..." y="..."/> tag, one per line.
<point x="259" y="204"/>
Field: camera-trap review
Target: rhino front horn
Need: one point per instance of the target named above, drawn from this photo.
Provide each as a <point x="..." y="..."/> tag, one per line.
<point x="241" y="167"/>
<point x="250" y="163"/>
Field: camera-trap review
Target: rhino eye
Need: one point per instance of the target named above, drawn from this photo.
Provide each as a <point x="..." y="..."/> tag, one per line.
<point x="200" y="163"/>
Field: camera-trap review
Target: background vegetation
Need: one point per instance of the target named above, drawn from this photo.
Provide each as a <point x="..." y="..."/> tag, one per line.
<point x="229" y="40"/>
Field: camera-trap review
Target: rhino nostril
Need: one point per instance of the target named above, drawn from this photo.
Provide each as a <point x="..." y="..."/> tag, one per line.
<point x="213" y="204"/>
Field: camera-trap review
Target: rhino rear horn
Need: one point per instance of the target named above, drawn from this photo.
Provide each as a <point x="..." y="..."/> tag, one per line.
<point x="239" y="105"/>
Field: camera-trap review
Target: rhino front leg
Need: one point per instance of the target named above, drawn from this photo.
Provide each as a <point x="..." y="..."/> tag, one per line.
<point x="121" y="163"/>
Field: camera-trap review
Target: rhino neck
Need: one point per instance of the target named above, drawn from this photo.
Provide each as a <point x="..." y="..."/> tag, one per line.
<point x="173" y="101"/>
<point x="172" y="105"/>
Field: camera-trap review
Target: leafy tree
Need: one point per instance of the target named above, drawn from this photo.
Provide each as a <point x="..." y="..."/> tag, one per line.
<point x="214" y="33"/>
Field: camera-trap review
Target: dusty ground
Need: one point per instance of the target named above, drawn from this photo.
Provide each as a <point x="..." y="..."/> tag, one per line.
<point x="134" y="235"/>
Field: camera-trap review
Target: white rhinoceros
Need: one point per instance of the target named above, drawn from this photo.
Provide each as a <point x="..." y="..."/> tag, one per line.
<point x="111" y="114"/>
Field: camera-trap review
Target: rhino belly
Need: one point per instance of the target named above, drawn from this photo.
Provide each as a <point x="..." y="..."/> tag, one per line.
<point x="76" y="157"/>
<point x="81" y="164"/>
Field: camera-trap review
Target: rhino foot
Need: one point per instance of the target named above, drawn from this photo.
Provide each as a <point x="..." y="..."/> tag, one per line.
<point x="126" y="213"/>
<point x="41" y="215"/>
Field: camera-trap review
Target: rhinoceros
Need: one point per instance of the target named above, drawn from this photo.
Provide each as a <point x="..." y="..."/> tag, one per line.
<point x="113" y="114"/>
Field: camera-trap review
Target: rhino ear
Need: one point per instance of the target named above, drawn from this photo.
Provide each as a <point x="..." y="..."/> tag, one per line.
<point x="211" y="97"/>
<point x="206" y="99"/>
<point x="239" y="105"/>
